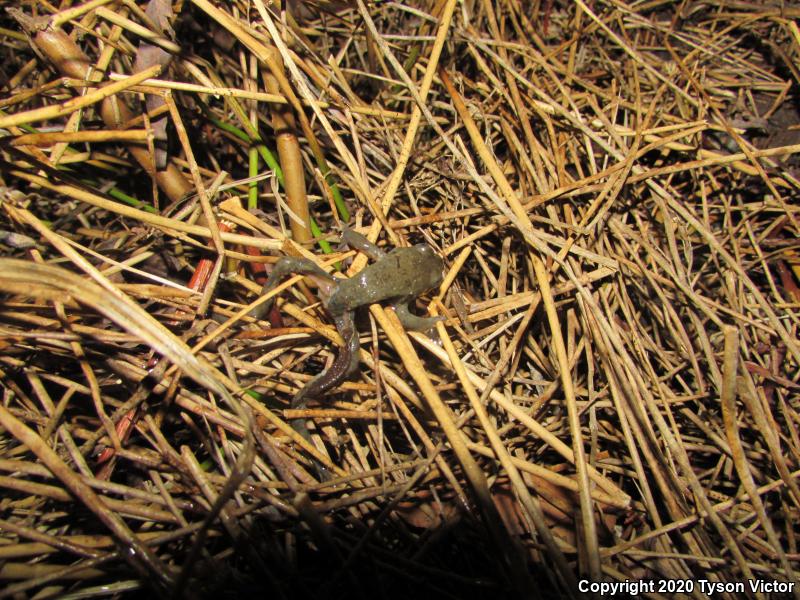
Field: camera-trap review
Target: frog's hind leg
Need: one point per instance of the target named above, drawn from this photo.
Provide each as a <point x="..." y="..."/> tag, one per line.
<point x="412" y="321"/>
<point x="289" y="265"/>
<point x="345" y="363"/>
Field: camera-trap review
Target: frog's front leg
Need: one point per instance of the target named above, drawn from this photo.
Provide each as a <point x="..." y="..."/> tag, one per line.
<point x="289" y="265"/>
<point x="412" y="321"/>
<point x="356" y="241"/>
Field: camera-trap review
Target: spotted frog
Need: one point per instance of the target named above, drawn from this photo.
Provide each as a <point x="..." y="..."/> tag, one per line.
<point x="398" y="277"/>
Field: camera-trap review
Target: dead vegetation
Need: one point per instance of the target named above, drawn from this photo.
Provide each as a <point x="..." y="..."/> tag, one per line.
<point x="613" y="394"/>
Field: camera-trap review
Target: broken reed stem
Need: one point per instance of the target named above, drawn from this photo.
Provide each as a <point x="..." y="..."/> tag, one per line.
<point x="70" y="60"/>
<point x="283" y="124"/>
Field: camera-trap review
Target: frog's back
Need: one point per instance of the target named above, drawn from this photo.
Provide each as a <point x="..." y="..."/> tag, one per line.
<point x="404" y="272"/>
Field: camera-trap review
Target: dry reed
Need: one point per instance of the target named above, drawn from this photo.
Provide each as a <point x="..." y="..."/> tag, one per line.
<point x="613" y="395"/>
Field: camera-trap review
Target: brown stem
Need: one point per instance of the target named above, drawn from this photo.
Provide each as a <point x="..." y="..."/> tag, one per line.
<point x="283" y="122"/>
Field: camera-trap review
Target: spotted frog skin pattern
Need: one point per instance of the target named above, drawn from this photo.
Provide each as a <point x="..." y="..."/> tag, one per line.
<point x="397" y="277"/>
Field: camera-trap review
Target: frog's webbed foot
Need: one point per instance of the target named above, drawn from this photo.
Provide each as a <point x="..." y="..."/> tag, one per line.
<point x="412" y="321"/>
<point x="285" y="267"/>
<point x="299" y="425"/>
<point x="356" y="241"/>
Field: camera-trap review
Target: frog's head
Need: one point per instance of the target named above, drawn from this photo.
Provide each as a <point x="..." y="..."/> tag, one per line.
<point x="430" y="267"/>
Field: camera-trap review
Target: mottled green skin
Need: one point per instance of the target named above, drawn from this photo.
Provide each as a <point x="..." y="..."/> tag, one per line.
<point x="399" y="277"/>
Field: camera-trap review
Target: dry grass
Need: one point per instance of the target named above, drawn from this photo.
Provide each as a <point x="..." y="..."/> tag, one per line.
<point x="613" y="394"/>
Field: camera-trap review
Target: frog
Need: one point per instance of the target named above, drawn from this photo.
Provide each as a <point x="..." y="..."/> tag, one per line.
<point x="396" y="277"/>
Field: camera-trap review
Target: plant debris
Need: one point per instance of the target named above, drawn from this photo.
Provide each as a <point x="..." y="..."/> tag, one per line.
<point x="613" y="396"/>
